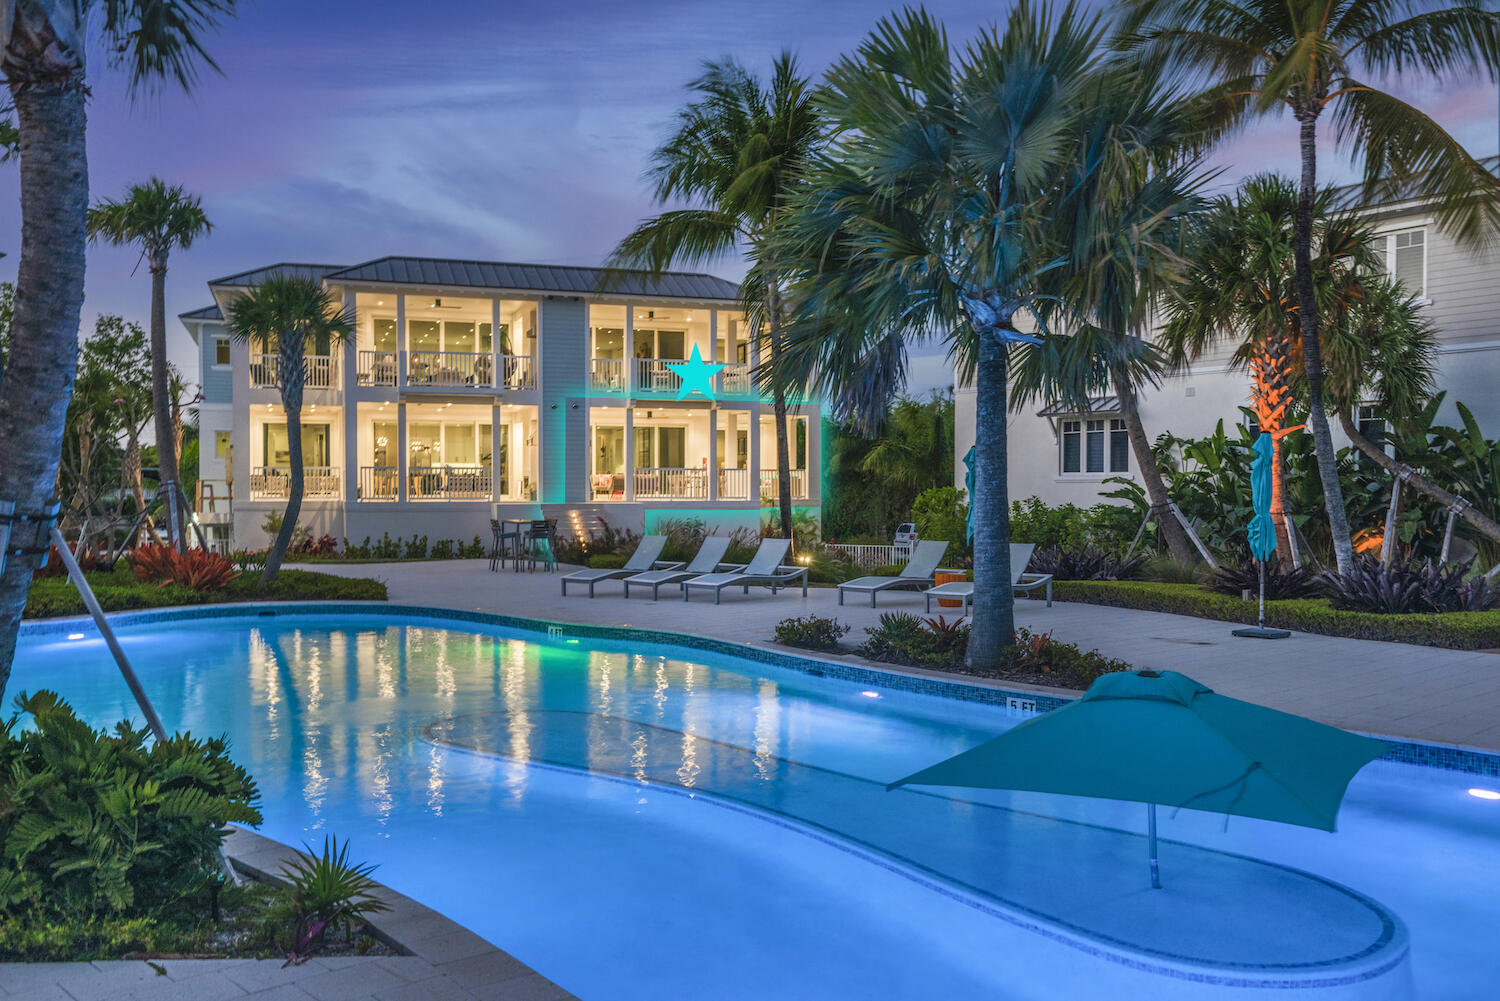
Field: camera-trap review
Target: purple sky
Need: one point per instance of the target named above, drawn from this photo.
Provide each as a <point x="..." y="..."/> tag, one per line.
<point x="473" y="129"/>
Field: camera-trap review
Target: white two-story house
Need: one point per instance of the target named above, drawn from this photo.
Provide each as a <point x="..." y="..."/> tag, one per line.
<point x="475" y="389"/>
<point x="1062" y="455"/>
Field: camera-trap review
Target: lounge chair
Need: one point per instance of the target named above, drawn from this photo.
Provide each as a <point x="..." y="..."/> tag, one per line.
<point x="1022" y="582"/>
<point x="764" y="568"/>
<point x="917" y="573"/>
<point x="644" y="558"/>
<point x="710" y="555"/>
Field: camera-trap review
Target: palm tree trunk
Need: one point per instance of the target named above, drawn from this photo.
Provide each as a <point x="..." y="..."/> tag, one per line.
<point x="38" y="379"/>
<point x="137" y="487"/>
<point x="778" y="400"/>
<point x="293" y="407"/>
<point x="1278" y="504"/>
<point x="1312" y="357"/>
<point x="1156" y="488"/>
<point x="993" y="626"/>
<point x="161" y="403"/>
<point x="1481" y="522"/>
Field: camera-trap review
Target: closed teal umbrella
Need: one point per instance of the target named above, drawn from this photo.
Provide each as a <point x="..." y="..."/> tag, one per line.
<point x="1262" y="532"/>
<point x="969" y="486"/>
<point x="1161" y="737"/>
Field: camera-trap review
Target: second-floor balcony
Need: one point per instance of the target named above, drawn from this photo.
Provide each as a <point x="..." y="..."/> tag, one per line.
<point x="446" y="370"/>
<point x="322" y="372"/>
<point x="653" y="376"/>
<point x="608" y="375"/>
<point x="735" y="380"/>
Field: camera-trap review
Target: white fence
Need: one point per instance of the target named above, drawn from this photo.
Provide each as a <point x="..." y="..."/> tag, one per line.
<point x="870" y="557"/>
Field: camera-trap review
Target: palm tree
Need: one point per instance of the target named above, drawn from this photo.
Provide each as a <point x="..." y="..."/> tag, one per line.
<point x="1137" y="177"/>
<point x="736" y="153"/>
<point x="932" y="217"/>
<point x="1313" y="57"/>
<point x="159" y="218"/>
<point x="915" y="447"/>
<point x="281" y="316"/>
<point x="42" y="49"/>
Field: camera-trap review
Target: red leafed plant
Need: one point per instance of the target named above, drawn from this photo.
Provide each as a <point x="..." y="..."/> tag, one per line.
<point x="88" y="559"/>
<point x="198" y="569"/>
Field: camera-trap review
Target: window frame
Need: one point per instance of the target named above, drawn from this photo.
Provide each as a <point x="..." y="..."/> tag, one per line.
<point x="1106" y="426"/>
<point x="222" y="341"/>
<point x="1423" y="296"/>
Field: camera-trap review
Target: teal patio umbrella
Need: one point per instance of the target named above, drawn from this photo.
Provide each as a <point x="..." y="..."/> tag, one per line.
<point x="969" y="486"/>
<point x="1161" y="737"/>
<point x="1262" y="532"/>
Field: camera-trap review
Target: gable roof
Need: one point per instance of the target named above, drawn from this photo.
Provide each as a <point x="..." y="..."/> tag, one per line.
<point x="206" y="313"/>
<point x="535" y="278"/>
<point x="257" y="275"/>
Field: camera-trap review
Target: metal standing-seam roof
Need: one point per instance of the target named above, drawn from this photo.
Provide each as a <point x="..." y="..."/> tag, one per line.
<point x="535" y="278"/>
<point x="1096" y="405"/>
<point x="317" y="272"/>
<point x="206" y="313"/>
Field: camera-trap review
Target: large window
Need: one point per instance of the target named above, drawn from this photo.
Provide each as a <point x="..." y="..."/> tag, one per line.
<point x="448" y="443"/>
<point x="1094" y="445"/>
<point x="448" y="335"/>
<point x="668" y="344"/>
<point x="661" y="447"/>
<point x="1406" y="260"/>
<point x="277" y="449"/>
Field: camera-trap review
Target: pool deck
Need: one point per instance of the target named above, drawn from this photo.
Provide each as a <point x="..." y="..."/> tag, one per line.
<point x="446" y="963"/>
<point x="1395" y="689"/>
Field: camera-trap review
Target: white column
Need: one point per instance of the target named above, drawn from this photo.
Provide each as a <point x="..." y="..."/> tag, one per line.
<point x="351" y="410"/>
<point x="629" y="432"/>
<point x="713" y="351"/>
<point x="401" y="354"/>
<point x="629" y="360"/>
<point x="732" y="341"/>
<point x="814" y="456"/>
<point x="497" y="373"/>
<point x="731" y="439"/>
<point x="495" y="443"/>
<point x="754" y="437"/>
<point x="713" y="453"/>
<point x="402" y="449"/>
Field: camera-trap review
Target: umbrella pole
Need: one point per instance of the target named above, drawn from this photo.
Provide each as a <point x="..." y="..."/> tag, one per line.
<point x="1261" y="616"/>
<point x="1151" y="845"/>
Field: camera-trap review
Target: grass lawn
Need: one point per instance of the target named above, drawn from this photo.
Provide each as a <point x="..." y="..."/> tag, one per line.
<point x="1453" y="630"/>
<point x="119" y="590"/>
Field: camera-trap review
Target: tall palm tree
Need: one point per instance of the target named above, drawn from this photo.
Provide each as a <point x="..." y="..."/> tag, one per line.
<point x="1137" y="176"/>
<point x="737" y="152"/>
<point x="915" y="447"/>
<point x="160" y="218"/>
<point x="42" y="49"/>
<point x="281" y="315"/>
<point x="1312" y="57"/>
<point x="932" y="218"/>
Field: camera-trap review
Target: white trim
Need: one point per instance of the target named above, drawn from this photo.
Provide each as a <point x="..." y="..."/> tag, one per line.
<point x="1462" y="349"/>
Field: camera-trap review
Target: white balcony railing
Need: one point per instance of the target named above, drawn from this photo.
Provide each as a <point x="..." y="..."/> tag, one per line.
<point x="377" y="368"/>
<point x="274" y="482"/>
<point x="653" y="376"/>
<point x="661" y="483"/>
<point x="736" y="380"/>
<point x="607" y="375"/>
<point x="770" y="484"/>
<point x="734" y="484"/>
<point x="518" y="372"/>
<point x="448" y="483"/>
<point x="265" y="371"/>
<point x="450" y="369"/>
<point x="378" y="483"/>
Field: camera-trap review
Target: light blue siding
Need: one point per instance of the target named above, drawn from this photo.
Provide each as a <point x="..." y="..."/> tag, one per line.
<point x="218" y="383"/>
<point x="563" y="341"/>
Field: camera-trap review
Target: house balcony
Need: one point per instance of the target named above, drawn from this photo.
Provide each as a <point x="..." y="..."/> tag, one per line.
<point x="445" y="370"/>
<point x="653" y="376"/>
<point x="518" y="372"/>
<point x="321" y="371"/>
<point x="735" y="380"/>
<point x="608" y="375"/>
<point x="770" y="484"/>
<point x="274" y="482"/>
<point x="448" y="483"/>
<point x="663" y="483"/>
<point x="734" y="484"/>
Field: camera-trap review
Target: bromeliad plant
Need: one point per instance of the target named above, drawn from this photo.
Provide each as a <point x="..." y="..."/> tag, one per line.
<point x="198" y="569"/>
<point x="1409" y="587"/>
<point x="328" y="891"/>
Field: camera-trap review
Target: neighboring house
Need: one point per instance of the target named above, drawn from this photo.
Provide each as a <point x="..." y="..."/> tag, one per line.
<point x="474" y="389"/>
<point x="1060" y="454"/>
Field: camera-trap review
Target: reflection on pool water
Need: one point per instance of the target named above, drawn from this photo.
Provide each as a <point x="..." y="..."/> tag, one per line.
<point x="639" y="821"/>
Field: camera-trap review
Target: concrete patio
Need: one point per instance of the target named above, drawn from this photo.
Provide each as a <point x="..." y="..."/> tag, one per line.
<point x="1415" y="692"/>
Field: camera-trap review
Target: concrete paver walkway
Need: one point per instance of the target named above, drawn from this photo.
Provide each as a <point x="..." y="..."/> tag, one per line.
<point x="1415" y="692"/>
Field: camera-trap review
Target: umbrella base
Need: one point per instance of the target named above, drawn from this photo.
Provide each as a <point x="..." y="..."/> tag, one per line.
<point x="1262" y="633"/>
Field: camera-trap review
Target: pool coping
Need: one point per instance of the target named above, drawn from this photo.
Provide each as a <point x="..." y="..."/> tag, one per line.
<point x="1008" y="695"/>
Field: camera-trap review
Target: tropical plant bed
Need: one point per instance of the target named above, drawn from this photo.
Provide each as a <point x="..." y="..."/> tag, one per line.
<point x="1452" y="630"/>
<point x="120" y="590"/>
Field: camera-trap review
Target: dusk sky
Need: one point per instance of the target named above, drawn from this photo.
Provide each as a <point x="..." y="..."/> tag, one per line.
<point x="343" y="131"/>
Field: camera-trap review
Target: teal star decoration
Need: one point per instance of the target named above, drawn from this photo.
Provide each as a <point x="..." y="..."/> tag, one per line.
<point x="696" y="374"/>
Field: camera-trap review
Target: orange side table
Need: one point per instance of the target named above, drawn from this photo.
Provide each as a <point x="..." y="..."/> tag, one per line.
<point x="949" y="577"/>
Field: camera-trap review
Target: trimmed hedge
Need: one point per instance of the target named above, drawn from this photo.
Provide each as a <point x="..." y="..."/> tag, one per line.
<point x="1452" y="630"/>
<point x="118" y="591"/>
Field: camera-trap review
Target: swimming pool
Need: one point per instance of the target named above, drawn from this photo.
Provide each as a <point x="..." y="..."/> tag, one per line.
<point x="643" y="821"/>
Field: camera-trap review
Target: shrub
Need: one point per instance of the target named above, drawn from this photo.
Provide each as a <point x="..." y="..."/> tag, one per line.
<point x="888" y="570"/>
<point x="198" y="569"/>
<point x="940" y="513"/>
<point x="576" y="549"/>
<point x="903" y="638"/>
<point x="415" y="548"/>
<point x="442" y="549"/>
<point x="907" y="639"/>
<point x="103" y="824"/>
<point x="607" y="561"/>
<point x="1170" y="570"/>
<point x="88" y="557"/>
<point x="327" y="891"/>
<point x="1104" y="526"/>
<point x="1405" y="587"/>
<point x="119" y="590"/>
<point x="1280" y="584"/>
<point x="1084" y="563"/>
<point x="827" y="566"/>
<point x="811" y="632"/>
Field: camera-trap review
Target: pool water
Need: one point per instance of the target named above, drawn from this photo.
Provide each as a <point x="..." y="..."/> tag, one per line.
<point x="644" y="822"/>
